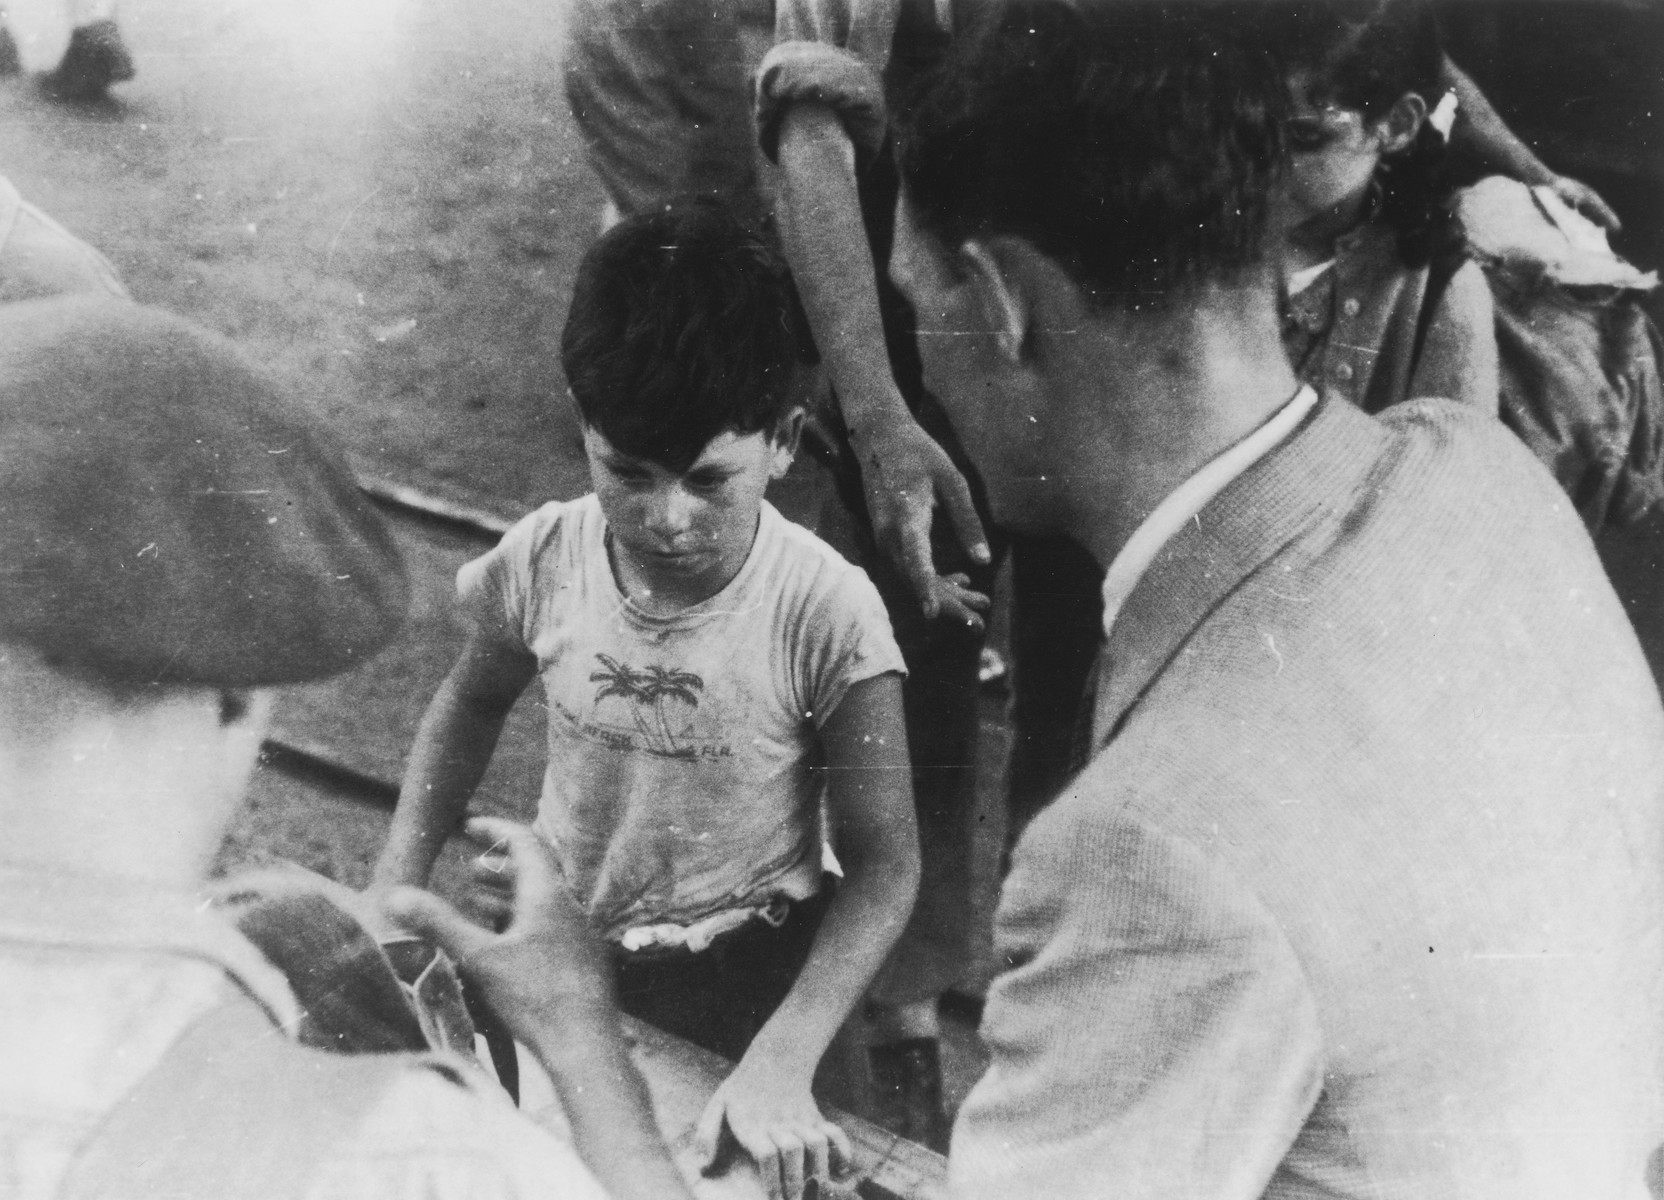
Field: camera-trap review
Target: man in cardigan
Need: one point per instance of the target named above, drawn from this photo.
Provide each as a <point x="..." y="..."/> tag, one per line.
<point x="1359" y="894"/>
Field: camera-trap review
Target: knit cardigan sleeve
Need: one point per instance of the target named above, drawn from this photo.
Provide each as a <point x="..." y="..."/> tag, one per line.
<point x="1155" y="1036"/>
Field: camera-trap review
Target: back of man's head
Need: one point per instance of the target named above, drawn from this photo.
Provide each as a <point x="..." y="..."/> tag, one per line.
<point x="683" y="327"/>
<point x="170" y="517"/>
<point x="1131" y="141"/>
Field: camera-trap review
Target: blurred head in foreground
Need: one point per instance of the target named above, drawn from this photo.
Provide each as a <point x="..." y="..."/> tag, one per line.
<point x="178" y="537"/>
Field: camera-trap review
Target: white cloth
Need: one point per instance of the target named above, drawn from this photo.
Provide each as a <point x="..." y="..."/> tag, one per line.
<point x="683" y="750"/>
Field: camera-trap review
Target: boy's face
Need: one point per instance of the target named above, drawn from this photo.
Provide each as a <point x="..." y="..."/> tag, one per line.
<point x="679" y="537"/>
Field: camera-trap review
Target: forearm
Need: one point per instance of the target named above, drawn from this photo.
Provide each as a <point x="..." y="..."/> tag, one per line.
<point x="825" y="242"/>
<point x="860" y="927"/>
<point x="605" y="1101"/>
<point x="453" y="748"/>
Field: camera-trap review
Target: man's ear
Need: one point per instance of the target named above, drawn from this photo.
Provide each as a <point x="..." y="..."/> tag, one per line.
<point x="1004" y="306"/>
<point x="788" y="432"/>
<point x="1398" y="129"/>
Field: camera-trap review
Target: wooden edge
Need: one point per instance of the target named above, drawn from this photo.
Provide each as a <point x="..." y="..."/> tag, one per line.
<point x="682" y="1077"/>
<point x="473" y="518"/>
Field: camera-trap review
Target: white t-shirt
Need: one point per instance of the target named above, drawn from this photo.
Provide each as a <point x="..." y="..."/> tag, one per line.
<point x="682" y="749"/>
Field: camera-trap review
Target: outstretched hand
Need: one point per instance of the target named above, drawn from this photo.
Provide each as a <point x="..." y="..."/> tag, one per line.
<point x="1587" y="201"/>
<point x="766" y="1110"/>
<point x="907" y="476"/>
<point x="544" y="959"/>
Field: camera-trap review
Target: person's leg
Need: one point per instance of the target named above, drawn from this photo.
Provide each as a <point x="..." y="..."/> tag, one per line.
<point x="1056" y="629"/>
<point x="940" y="700"/>
<point x="718" y="998"/>
<point x="661" y="93"/>
<point x="96" y="55"/>
<point x="675" y="993"/>
<point x="758" y="965"/>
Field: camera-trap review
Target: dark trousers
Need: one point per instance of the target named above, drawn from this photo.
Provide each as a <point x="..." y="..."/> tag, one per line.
<point x="721" y="996"/>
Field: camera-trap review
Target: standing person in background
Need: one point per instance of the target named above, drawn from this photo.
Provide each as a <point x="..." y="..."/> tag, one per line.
<point x="1381" y="305"/>
<point x="1390" y="271"/>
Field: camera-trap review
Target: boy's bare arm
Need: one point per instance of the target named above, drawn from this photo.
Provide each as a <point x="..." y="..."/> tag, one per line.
<point x="904" y="473"/>
<point x="453" y="747"/>
<point x="1481" y="132"/>
<point x="766" y="1102"/>
<point x="551" y="981"/>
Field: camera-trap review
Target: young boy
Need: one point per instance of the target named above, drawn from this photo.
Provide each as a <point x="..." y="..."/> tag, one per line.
<point x="711" y="672"/>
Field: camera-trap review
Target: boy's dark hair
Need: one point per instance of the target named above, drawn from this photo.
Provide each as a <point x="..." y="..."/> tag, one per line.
<point x="1366" y="55"/>
<point x="1134" y="142"/>
<point x="682" y="328"/>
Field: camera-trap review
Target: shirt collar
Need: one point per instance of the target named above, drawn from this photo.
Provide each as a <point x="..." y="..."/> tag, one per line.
<point x="99" y="913"/>
<point x="1187" y="501"/>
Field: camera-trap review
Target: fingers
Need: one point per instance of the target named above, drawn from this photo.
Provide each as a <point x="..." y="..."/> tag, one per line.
<point x="960" y="587"/>
<point x="527" y="863"/>
<point x="840" y="1150"/>
<point x="780" y="1156"/>
<point x="707" y="1133"/>
<point x="432" y="919"/>
<point x="957" y="602"/>
<point x="903" y="526"/>
<point x="1587" y="201"/>
<point x="488" y="902"/>
<point x="1603" y="213"/>
<point x="786" y="1157"/>
<point x="955" y="495"/>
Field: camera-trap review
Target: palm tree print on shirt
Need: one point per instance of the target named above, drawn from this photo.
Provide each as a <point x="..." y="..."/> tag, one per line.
<point x="649" y="690"/>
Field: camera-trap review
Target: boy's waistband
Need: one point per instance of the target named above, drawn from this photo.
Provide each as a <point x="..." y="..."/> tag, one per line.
<point x="699" y="935"/>
<point x="672" y="940"/>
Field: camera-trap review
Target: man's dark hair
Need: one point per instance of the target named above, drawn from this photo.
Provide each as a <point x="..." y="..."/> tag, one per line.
<point x="1134" y="142"/>
<point x="682" y="328"/>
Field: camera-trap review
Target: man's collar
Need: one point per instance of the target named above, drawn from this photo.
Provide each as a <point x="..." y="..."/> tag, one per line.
<point x="1190" y="497"/>
<point x="100" y="913"/>
<point x="1318" y="468"/>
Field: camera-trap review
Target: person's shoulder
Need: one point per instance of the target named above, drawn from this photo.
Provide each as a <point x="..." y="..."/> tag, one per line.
<point x="553" y="526"/>
<point x="1464" y="438"/>
<point x="439" y="1132"/>
<point x="40" y="258"/>
<point x="799" y="567"/>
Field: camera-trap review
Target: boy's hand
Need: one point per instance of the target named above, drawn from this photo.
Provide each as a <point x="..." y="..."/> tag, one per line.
<point x="907" y="476"/>
<point x="766" y="1108"/>
<point x="1587" y="201"/>
<point x="545" y="960"/>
